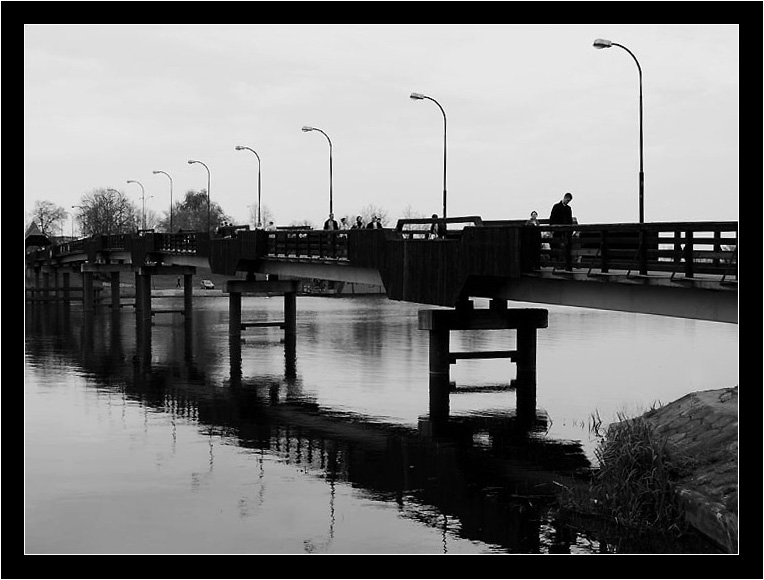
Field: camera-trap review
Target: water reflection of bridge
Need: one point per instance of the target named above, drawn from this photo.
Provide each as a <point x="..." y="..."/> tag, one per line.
<point x="492" y="474"/>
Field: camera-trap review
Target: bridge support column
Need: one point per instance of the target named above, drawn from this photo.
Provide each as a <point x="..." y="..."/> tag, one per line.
<point x="290" y="316"/>
<point x="525" y="382"/>
<point x="87" y="292"/>
<point x="66" y="281"/>
<point x="138" y="297"/>
<point x="56" y="284"/>
<point x="440" y="323"/>
<point x="439" y="374"/>
<point x="234" y="313"/>
<point x="115" y="299"/>
<point x="235" y="288"/>
<point x="46" y="285"/>
<point x="144" y="283"/>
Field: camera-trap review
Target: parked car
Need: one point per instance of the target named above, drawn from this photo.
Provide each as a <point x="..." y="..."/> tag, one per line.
<point x="207" y="285"/>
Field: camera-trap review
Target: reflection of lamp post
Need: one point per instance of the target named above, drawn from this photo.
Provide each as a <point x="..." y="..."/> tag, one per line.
<point x="190" y="161"/>
<point x="143" y="200"/>
<point x="602" y="43"/>
<point x="419" y="97"/>
<point x="239" y="148"/>
<point x="170" y="178"/>
<point x="306" y="129"/>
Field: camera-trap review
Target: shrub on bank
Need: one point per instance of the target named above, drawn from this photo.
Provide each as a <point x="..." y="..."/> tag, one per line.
<point x="632" y="491"/>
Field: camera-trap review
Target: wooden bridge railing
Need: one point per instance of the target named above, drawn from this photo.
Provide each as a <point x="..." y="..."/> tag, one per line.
<point x="679" y="248"/>
<point x="313" y="244"/>
<point x="686" y="248"/>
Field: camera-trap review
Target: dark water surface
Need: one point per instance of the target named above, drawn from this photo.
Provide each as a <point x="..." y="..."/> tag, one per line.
<point x="174" y="439"/>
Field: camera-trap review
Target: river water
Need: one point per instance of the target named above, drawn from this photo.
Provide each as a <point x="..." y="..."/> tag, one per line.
<point x="174" y="439"/>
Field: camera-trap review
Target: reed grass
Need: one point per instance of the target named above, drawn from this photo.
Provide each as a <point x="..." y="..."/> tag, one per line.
<point x="634" y="485"/>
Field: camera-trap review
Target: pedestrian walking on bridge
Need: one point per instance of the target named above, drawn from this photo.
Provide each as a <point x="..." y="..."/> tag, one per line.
<point x="562" y="214"/>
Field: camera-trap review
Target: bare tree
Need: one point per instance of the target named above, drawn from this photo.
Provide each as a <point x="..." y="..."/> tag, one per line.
<point x="265" y="215"/>
<point x="370" y="210"/>
<point x="106" y="211"/>
<point x="49" y="217"/>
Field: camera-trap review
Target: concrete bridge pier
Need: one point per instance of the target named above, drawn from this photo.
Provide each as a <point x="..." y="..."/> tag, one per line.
<point x="115" y="296"/>
<point x="88" y="298"/>
<point x="288" y="288"/>
<point x="440" y="323"/>
<point x="66" y="280"/>
<point x="143" y="289"/>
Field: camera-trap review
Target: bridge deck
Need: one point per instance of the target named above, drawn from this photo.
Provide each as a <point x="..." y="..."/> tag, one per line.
<point x="480" y="258"/>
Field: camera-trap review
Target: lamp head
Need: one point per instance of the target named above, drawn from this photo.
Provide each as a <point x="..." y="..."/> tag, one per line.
<point x="306" y="129"/>
<point x="155" y="172"/>
<point x="417" y="96"/>
<point x="190" y="161"/>
<point x="602" y="43"/>
<point x="239" y="148"/>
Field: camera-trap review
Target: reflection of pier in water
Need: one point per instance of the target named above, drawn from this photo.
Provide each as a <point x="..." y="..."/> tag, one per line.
<point x="491" y="474"/>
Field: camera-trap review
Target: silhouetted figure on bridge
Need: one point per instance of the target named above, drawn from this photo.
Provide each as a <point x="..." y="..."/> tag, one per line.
<point x="437" y="229"/>
<point x="562" y="214"/>
<point x="533" y="238"/>
<point x="358" y="225"/>
<point x="331" y="223"/>
<point x="374" y="224"/>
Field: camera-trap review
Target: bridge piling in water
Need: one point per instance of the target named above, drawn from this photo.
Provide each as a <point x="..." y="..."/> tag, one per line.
<point x="440" y="323"/>
<point x="287" y="288"/>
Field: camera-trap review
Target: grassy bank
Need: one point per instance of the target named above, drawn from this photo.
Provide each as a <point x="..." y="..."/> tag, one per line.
<point x="630" y="499"/>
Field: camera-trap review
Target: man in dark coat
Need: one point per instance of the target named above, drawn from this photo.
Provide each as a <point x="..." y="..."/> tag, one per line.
<point x="563" y="215"/>
<point x="331" y="223"/>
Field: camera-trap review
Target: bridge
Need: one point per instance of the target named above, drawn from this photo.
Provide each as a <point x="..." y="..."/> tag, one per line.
<point x="682" y="269"/>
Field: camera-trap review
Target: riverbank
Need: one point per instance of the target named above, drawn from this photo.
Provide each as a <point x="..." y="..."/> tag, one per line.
<point x="703" y="426"/>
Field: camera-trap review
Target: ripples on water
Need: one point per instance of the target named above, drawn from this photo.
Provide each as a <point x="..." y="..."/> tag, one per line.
<point x="174" y="439"/>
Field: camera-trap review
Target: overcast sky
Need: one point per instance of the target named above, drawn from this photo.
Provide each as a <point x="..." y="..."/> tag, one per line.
<point x="532" y="111"/>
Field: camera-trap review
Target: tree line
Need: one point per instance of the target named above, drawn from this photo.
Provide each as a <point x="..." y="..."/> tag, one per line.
<point x="108" y="212"/>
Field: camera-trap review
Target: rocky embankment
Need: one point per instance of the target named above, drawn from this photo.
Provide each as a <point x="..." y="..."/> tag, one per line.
<point x="703" y="426"/>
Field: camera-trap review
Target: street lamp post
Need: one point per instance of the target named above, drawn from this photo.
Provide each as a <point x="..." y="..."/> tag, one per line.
<point x="239" y="148"/>
<point x="209" y="178"/>
<point x="170" y="178"/>
<point x="419" y="97"/>
<point x="305" y="130"/>
<point x="602" y="43"/>
<point x="143" y="200"/>
<point x="79" y="206"/>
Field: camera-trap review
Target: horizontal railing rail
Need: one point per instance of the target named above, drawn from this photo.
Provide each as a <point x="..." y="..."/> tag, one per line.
<point x="684" y="249"/>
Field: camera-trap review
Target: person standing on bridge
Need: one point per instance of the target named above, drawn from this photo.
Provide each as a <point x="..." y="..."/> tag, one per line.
<point x="331" y="223"/>
<point x="358" y="225"/>
<point x="562" y="214"/>
<point x="437" y="228"/>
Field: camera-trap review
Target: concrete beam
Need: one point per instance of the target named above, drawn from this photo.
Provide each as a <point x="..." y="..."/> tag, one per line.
<point x="94" y="268"/>
<point x="483" y="319"/>
<point x="261" y="286"/>
<point x="165" y="270"/>
<point x="338" y="272"/>
<point x="661" y="299"/>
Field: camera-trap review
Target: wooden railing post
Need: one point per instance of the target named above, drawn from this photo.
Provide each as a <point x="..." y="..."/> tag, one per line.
<point x="642" y="251"/>
<point x="688" y="254"/>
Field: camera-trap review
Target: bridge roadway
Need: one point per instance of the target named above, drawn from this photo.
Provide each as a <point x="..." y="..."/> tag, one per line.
<point x="682" y="269"/>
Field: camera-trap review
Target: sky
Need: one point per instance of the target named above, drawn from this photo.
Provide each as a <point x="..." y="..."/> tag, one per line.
<point x="531" y="112"/>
